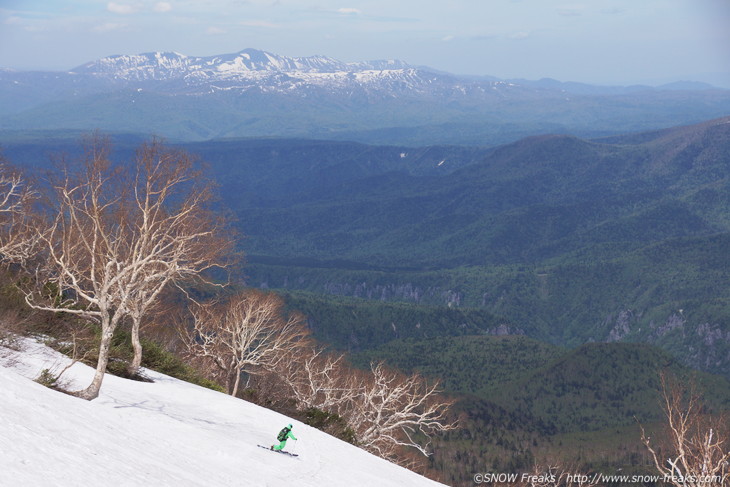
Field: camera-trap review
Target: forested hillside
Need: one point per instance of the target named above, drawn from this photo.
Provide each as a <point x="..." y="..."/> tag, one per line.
<point x="520" y="400"/>
<point x="567" y="240"/>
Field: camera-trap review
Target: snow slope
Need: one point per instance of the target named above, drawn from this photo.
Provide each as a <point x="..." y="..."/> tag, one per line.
<point x="165" y="433"/>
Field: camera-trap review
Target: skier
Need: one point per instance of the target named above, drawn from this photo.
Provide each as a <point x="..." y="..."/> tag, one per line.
<point x="283" y="435"/>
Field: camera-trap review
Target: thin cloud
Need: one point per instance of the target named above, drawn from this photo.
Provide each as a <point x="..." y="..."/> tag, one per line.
<point x="129" y="8"/>
<point x="162" y="7"/>
<point x="215" y="31"/>
<point x="26" y="23"/>
<point x="349" y="11"/>
<point x="121" y="8"/>
<point x="259" y="23"/>
<point x="353" y="14"/>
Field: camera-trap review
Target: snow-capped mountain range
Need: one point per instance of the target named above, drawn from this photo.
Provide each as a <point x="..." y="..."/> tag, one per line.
<point x="251" y="68"/>
<point x="170" y="65"/>
<point x="257" y="93"/>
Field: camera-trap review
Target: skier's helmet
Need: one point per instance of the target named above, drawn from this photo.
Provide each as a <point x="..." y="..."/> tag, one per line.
<point x="290" y="426"/>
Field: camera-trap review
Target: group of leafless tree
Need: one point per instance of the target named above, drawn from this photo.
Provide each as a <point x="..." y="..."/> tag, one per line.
<point x="250" y="335"/>
<point x="109" y="238"/>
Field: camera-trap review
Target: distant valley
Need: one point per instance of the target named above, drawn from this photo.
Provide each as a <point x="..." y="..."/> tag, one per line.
<point x="562" y="239"/>
<point x="568" y="240"/>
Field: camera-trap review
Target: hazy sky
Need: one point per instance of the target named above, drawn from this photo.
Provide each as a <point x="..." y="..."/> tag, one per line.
<point x="596" y="41"/>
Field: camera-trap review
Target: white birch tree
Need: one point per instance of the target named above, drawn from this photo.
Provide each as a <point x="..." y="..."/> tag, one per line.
<point x="391" y="410"/>
<point x="248" y="333"/>
<point x="113" y="243"/>
<point x="177" y="237"/>
<point x="317" y="379"/>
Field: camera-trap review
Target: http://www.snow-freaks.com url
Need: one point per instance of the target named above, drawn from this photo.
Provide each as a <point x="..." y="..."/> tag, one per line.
<point x="597" y="478"/>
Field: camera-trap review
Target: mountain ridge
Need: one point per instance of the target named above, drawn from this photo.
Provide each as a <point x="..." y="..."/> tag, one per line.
<point x="239" y="63"/>
<point x="254" y="93"/>
<point x="573" y="240"/>
<point x="259" y="71"/>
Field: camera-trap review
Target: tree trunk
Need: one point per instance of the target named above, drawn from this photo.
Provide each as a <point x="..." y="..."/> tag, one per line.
<point x="92" y="392"/>
<point x="137" y="346"/>
<point x="235" y="385"/>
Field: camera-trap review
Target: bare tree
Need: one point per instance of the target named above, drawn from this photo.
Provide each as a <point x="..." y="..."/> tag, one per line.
<point x="698" y="453"/>
<point x="117" y="238"/>
<point x="177" y="236"/>
<point x="391" y="411"/>
<point x="386" y="410"/>
<point x="17" y="238"/>
<point x="246" y="334"/>
<point x="317" y="379"/>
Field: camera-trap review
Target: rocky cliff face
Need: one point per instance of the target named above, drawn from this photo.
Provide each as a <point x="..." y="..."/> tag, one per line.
<point x="705" y="346"/>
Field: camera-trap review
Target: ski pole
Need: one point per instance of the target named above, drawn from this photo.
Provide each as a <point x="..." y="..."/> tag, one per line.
<point x="295" y="446"/>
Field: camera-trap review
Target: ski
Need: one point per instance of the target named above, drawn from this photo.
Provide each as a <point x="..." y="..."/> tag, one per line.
<point x="279" y="451"/>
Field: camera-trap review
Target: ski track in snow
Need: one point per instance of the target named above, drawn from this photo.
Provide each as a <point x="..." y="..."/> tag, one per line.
<point x="164" y="433"/>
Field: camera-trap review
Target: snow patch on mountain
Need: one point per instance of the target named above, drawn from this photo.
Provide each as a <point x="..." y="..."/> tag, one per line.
<point x="264" y="72"/>
<point x="244" y="64"/>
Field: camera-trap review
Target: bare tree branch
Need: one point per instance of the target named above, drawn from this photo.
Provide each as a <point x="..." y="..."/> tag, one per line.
<point x="17" y="238"/>
<point x="317" y="379"/>
<point x="177" y="236"/>
<point x="391" y="411"/>
<point x="698" y="453"/>
<point x="247" y="333"/>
